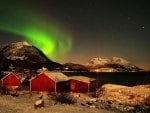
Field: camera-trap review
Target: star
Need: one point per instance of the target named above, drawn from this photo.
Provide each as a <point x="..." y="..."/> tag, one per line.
<point x="129" y="18"/>
<point x="142" y="27"/>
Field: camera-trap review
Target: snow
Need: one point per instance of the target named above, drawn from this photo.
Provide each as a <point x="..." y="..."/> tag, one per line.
<point x="119" y="60"/>
<point x="20" y="44"/>
<point x="115" y="64"/>
<point x="103" y="61"/>
<point x="98" y="61"/>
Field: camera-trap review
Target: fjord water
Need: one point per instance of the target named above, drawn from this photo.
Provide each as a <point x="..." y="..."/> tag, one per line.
<point x="122" y="78"/>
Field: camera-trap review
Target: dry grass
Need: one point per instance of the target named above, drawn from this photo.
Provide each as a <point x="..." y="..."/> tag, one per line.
<point x="25" y="104"/>
<point x="63" y="98"/>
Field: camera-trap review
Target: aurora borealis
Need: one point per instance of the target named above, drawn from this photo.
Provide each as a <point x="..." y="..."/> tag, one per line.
<point x="78" y="31"/>
<point x="45" y="35"/>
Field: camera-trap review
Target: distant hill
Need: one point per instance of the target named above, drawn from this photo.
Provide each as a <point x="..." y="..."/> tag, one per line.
<point x="116" y="64"/>
<point x="75" y="67"/>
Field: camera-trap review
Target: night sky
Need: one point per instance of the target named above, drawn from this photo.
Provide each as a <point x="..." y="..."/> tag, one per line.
<point x="99" y="28"/>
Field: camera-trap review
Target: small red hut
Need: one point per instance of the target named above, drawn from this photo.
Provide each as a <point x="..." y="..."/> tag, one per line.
<point x="11" y="81"/>
<point x="82" y="84"/>
<point x="47" y="81"/>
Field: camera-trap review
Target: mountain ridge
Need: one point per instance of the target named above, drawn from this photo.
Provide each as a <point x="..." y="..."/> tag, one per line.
<point x="116" y="64"/>
<point x="22" y="55"/>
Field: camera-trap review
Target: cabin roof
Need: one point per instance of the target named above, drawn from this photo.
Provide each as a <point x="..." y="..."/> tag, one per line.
<point x="83" y="78"/>
<point x="56" y="76"/>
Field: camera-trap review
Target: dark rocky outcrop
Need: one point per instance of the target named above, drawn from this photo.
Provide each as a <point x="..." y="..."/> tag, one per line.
<point x="22" y="55"/>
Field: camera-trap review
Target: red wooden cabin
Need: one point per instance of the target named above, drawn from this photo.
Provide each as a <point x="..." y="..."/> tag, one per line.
<point x="82" y="84"/>
<point x="47" y="81"/>
<point x="11" y="81"/>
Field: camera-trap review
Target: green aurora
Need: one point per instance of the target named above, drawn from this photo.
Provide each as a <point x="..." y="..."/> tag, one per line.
<point x="43" y="33"/>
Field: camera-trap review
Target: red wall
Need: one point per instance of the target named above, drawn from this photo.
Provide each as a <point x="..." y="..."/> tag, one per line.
<point x="78" y="86"/>
<point x="63" y="86"/>
<point x="11" y="80"/>
<point x="42" y="83"/>
<point x="0" y="83"/>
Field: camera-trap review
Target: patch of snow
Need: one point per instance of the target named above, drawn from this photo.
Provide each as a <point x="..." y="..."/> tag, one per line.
<point x="98" y="61"/>
<point x="103" y="61"/>
<point x="119" y="60"/>
<point x="20" y="44"/>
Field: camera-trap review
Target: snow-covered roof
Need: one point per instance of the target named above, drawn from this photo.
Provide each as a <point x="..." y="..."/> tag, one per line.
<point x="83" y="78"/>
<point x="56" y="76"/>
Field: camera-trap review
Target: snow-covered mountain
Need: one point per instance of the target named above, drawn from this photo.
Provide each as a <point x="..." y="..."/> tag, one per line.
<point x="104" y="61"/>
<point x="99" y="61"/>
<point x="22" y="55"/>
<point x="119" y="60"/>
<point x="115" y="64"/>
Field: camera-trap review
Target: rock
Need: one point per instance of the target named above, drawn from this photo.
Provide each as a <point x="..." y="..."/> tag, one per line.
<point x="89" y="103"/>
<point x="92" y="106"/>
<point x="93" y="100"/>
<point x="39" y="103"/>
<point x="84" y="104"/>
<point x="147" y="101"/>
<point x="122" y="98"/>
